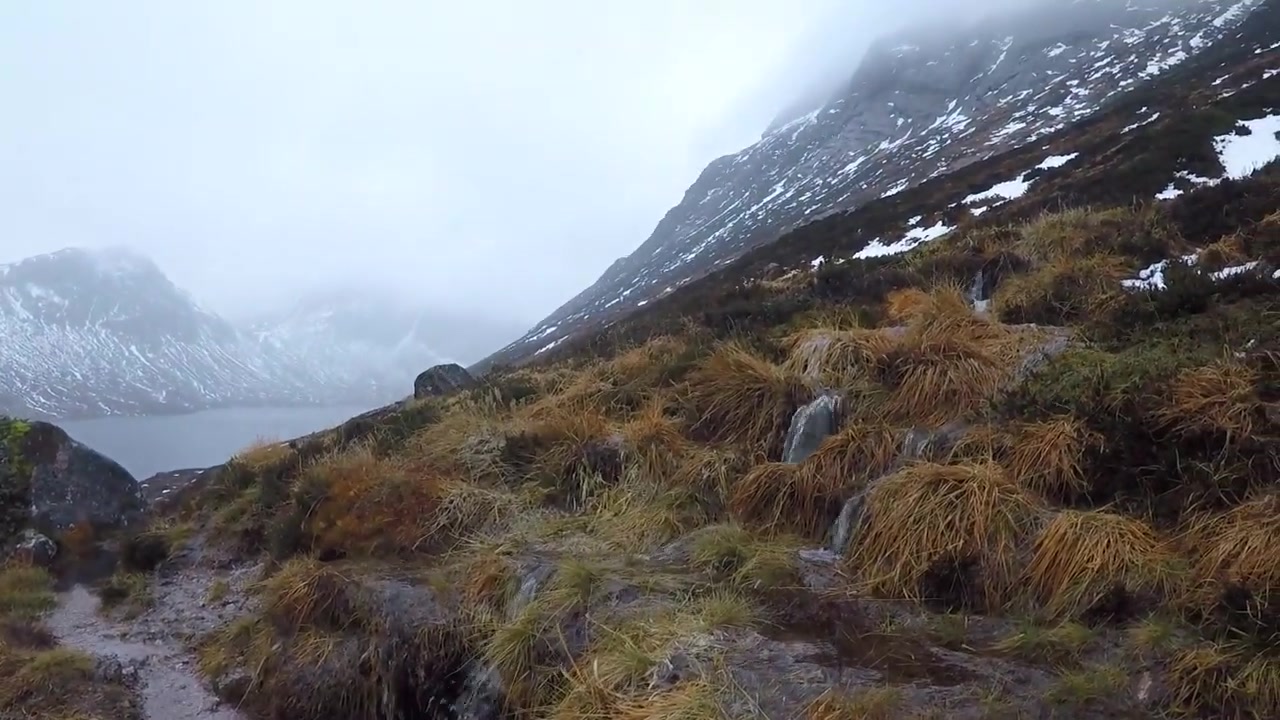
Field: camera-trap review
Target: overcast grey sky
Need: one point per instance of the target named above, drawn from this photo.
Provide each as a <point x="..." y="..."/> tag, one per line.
<point x="494" y="155"/>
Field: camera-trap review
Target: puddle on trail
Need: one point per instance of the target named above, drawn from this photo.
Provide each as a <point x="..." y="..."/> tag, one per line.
<point x="899" y="658"/>
<point x="168" y="682"/>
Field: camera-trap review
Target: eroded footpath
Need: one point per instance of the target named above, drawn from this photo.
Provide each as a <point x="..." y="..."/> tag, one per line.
<point x="151" y="650"/>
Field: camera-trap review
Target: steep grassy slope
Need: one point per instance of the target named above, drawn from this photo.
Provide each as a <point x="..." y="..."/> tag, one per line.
<point x="616" y="536"/>
<point x="1051" y="490"/>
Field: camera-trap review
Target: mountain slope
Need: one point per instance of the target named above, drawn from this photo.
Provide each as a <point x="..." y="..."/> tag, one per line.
<point x="105" y="332"/>
<point x="918" y="107"/>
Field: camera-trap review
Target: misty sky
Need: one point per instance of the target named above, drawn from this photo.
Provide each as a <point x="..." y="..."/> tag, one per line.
<point x="491" y="155"/>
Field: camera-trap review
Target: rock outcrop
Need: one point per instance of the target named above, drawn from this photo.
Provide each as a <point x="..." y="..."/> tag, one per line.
<point x="442" y="380"/>
<point x="50" y="482"/>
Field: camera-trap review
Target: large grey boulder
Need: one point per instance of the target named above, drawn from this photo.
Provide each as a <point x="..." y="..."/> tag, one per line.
<point x="443" y="380"/>
<point x="50" y="482"/>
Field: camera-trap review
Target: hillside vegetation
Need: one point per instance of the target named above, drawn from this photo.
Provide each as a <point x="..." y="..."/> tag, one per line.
<point x="1061" y="503"/>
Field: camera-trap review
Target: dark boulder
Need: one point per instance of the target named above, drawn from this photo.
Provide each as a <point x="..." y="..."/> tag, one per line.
<point x="443" y="380"/>
<point x="32" y="548"/>
<point x="50" y="482"/>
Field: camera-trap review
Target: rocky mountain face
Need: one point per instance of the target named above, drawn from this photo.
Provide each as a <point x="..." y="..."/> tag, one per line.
<point x="90" y="333"/>
<point x="920" y="106"/>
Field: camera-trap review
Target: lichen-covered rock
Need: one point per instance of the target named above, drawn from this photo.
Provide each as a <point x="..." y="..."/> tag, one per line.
<point x="50" y="482"/>
<point x="442" y="380"/>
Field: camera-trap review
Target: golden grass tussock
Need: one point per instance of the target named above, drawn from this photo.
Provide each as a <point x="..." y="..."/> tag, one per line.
<point x="711" y="472"/>
<point x="25" y="591"/>
<point x="1061" y="291"/>
<point x="740" y="397"/>
<point x="1224" y="252"/>
<point x="690" y="700"/>
<point x="903" y="305"/>
<point x="642" y="514"/>
<point x="42" y="679"/>
<point x="562" y="446"/>
<point x="653" y="440"/>
<point x="947" y="364"/>
<point x="1081" y="556"/>
<point x="734" y="554"/>
<point x="927" y="513"/>
<point x="879" y="703"/>
<point x="451" y="446"/>
<point x="263" y="453"/>
<point x="935" y="379"/>
<point x="857" y="454"/>
<point x="369" y="504"/>
<point x="646" y="364"/>
<point x="306" y="592"/>
<point x="628" y="652"/>
<point x="836" y="358"/>
<point x="788" y="498"/>
<point x="1048" y="457"/>
<point x="1224" y="681"/>
<point x="1080" y="232"/>
<point x="1239" y="546"/>
<point x="1221" y="397"/>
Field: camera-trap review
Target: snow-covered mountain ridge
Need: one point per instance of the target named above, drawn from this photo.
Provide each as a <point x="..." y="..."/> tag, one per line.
<point x="87" y="333"/>
<point x="920" y="106"/>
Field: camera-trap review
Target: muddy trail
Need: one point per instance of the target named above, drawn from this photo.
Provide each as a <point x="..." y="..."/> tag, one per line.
<point x="152" y="650"/>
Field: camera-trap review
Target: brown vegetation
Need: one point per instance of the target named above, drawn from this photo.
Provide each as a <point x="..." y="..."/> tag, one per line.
<point x="590" y="523"/>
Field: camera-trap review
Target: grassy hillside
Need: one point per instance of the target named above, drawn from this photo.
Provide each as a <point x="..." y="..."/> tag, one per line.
<point x="1060" y="501"/>
<point x="1089" y="530"/>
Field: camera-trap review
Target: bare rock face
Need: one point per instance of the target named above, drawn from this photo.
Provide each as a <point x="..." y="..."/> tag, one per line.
<point x="50" y="482"/>
<point x="442" y="380"/>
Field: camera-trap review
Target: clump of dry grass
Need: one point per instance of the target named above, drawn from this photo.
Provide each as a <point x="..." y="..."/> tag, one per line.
<point x="859" y="453"/>
<point x="1221" y="397"/>
<point x="641" y="513"/>
<point x="711" y="473"/>
<point x="740" y="397"/>
<point x="1240" y="547"/>
<point x="1047" y="457"/>
<point x="25" y="591"/>
<point x="1224" y="252"/>
<point x="838" y="358"/>
<point x="364" y="504"/>
<point x="926" y="513"/>
<point x="454" y="446"/>
<point x="903" y="305"/>
<point x="1224" y="680"/>
<point x="947" y="365"/>
<point x="630" y="652"/>
<point x="789" y="498"/>
<point x="1061" y="291"/>
<point x="881" y="703"/>
<point x="1080" y="232"/>
<point x="262" y="454"/>
<point x="734" y="554"/>
<point x="694" y="700"/>
<point x="653" y="440"/>
<point x="40" y="680"/>
<point x="572" y="453"/>
<point x="1082" y="556"/>
<point x="1061" y="645"/>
